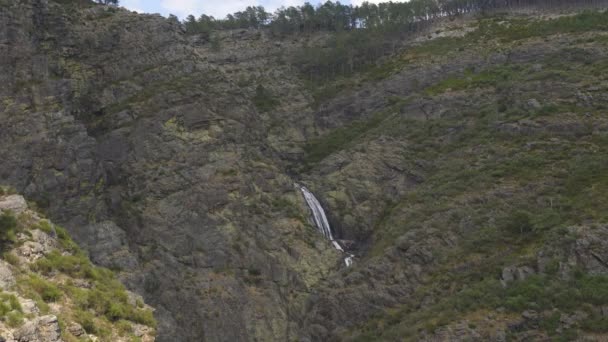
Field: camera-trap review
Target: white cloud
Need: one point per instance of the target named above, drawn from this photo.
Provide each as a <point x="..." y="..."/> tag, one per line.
<point x="359" y="2"/>
<point x="216" y="8"/>
<point x="133" y="5"/>
<point x="272" y="5"/>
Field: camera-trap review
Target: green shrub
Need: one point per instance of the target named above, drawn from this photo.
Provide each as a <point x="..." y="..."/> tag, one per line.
<point x="595" y="323"/>
<point x="8" y="224"/>
<point x="48" y="291"/>
<point x="143" y="316"/>
<point x="14" y="303"/>
<point x="594" y="289"/>
<point x="116" y="311"/>
<point x="551" y="323"/>
<point x="73" y="265"/>
<point x="8" y="303"/>
<point x="4" y="309"/>
<point x="124" y="327"/>
<point x="66" y="240"/>
<point x="216" y="43"/>
<point x="109" y="300"/>
<point x="44" y="226"/>
<point x="87" y="321"/>
<point x="263" y="99"/>
<point x="14" y="319"/>
<point x="519" y="222"/>
<point x="10" y="258"/>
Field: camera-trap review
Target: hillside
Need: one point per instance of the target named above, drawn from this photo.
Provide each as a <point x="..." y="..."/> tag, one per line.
<point x="463" y="168"/>
<point x="50" y="291"/>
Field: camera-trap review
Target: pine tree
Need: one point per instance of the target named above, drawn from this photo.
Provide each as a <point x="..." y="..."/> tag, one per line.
<point x="108" y="2"/>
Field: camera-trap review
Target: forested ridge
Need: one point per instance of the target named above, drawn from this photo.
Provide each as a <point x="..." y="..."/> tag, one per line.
<point x="334" y="16"/>
<point x="360" y="35"/>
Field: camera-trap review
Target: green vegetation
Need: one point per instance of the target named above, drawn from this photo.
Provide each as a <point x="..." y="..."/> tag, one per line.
<point x="109" y="300"/>
<point x="348" y="57"/>
<point x="108" y="2"/>
<point x="62" y="234"/>
<point x="102" y="307"/>
<point x="6" y="191"/>
<point x="39" y="288"/>
<point x="8" y="227"/>
<point x="73" y="265"/>
<point x="505" y="178"/>
<point x="518" y="29"/>
<point x="263" y="100"/>
<point x="489" y="78"/>
<point x="411" y="16"/>
<point x="506" y="30"/>
<point x="107" y="297"/>
<point x="539" y="293"/>
<point x="176" y="85"/>
<point x="10" y="258"/>
<point x="10" y="310"/>
<point x="83" y="3"/>
<point x="339" y="138"/>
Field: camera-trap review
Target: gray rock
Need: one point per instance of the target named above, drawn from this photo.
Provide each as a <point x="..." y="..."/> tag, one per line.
<point x="76" y="329"/>
<point x="524" y="272"/>
<point x="514" y="273"/>
<point x="591" y="249"/>
<point x="534" y="104"/>
<point x="530" y="315"/>
<point x="14" y="203"/>
<point x="7" y="279"/>
<point x="41" y="329"/>
<point x="508" y="274"/>
<point x="107" y="245"/>
<point x="29" y="306"/>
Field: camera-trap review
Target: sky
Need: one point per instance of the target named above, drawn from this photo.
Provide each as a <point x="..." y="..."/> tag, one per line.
<point x="216" y="8"/>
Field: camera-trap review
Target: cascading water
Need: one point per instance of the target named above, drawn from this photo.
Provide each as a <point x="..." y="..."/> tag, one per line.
<point x="321" y="222"/>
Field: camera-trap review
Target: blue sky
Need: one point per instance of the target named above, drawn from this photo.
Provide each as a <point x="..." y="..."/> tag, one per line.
<point x="216" y="8"/>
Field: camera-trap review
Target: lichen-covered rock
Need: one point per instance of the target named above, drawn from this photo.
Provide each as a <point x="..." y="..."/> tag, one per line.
<point x="76" y="329"/>
<point x="107" y="245"/>
<point x="13" y="203"/>
<point x="7" y="279"/>
<point x="42" y="329"/>
<point x="510" y="274"/>
<point x="160" y="166"/>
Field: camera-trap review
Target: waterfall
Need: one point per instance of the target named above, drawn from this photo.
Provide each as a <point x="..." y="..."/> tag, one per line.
<point x="321" y="222"/>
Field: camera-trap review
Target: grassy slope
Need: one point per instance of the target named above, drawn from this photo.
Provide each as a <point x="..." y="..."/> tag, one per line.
<point x="102" y="306"/>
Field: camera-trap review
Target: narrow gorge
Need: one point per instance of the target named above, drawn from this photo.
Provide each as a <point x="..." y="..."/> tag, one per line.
<point x="457" y="152"/>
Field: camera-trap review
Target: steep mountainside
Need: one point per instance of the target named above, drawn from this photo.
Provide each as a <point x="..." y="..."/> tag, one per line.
<point x="464" y="170"/>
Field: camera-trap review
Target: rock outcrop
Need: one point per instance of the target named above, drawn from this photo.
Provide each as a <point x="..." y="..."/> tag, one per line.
<point x="48" y="286"/>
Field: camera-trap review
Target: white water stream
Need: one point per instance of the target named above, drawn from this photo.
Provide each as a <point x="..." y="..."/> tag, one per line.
<point x="321" y="222"/>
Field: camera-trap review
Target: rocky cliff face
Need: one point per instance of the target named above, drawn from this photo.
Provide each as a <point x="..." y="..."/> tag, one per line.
<point x="158" y="163"/>
<point x="452" y="169"/>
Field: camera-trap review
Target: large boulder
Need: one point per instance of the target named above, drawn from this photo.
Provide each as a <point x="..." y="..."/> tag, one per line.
<point x="14" y="203"/>
<point x="42" y="329"/>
